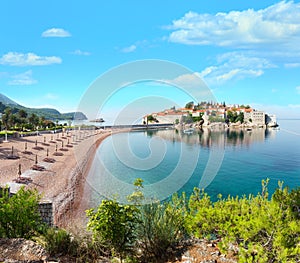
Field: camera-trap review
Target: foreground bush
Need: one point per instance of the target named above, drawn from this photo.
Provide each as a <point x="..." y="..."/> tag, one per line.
<point x="79" y="247"/>
<point x="19" y="215"/>
<point x="161" y="229"/>
<point x="89" y="250"/>
<point x="57" y="242"/>
<point x="263" y="230"/>
<point x="139" y="233"/>
<point x="257" y="228"/>
<point x="114" y="225"/>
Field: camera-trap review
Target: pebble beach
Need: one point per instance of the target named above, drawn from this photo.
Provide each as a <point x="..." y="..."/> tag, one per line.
<point x="55" y="164"/>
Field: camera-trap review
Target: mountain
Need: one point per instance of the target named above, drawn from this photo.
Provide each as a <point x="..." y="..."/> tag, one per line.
<point x="50" y="114"/>
<point x="7" y="101"/>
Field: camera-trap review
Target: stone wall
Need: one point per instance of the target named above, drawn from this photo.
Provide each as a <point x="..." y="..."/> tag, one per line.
<point x="45" y="207"/>
<point x="46" y="211"/>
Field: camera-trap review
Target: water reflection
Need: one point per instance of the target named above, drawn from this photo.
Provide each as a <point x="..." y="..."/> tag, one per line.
<point x="220" y="137"/>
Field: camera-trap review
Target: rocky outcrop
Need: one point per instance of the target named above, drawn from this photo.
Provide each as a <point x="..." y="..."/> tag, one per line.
<point x="21" y="250"/>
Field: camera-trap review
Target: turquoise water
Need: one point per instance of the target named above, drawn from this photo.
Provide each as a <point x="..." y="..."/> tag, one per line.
<point x="228" y="162"/>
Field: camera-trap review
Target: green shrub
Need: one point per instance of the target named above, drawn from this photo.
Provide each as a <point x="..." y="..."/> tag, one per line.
<point x="19" y="215"/>
<point x="57" y="242"/>
<point x="78" y="246"/>
<point x="264" y="230"/>
<point x="89" y="250"/>
<point x="114" y="225"/>
<point x="161" y="229"/>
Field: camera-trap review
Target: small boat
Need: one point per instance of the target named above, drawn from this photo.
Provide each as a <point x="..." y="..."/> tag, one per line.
<point x="273" y="125"/>
<point x="188" y="131"/>
<point x="98" y="120"/>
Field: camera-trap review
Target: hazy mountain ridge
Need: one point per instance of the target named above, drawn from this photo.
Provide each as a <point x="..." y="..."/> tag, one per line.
<point x="48" y="113"/>
<point x="7" y="101"/>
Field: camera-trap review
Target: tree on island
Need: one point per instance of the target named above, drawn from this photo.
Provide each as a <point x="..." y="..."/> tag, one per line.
<point x="234" y="117"/>
<point x="150" y="118"/>
<point x="189" y="105"/>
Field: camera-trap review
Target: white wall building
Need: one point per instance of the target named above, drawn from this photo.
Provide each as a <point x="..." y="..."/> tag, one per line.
<point x="165" y="118"/>
<point x="255" y="117"/>
<point x="169" y="118"/>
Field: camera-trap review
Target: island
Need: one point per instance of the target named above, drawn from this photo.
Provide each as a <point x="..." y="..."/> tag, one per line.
<point x="209" y="114"/>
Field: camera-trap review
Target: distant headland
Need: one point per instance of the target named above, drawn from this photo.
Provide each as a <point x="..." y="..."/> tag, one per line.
<point x="47" y="113"/>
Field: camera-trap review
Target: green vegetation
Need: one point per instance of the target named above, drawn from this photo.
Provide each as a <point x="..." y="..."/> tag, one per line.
<point x="263" y="230"/>
<point x="189" y="105"/>
<point x="205" y="105"/>
<point x="187" y="119"/>
<point x="235" y="117"/>
<point x="49" y="114"/>
<point x="115" y="225"/>
<point x="150" y="118"/>
<point x="216" y="119"/>
<point x="190" y="118"/>
<point x="161" y="229"/>
<point x="137" y="197"/>
<point x="245" y="107"/>
<point x="19" y="215"/>
<point x="255" y="228"/>
<point x="21" y="121"/>
<point x="57" y="241"/>
<point x="198" y="118"/>
<point x="8" y="132"/>
<point x="80" y="248"/>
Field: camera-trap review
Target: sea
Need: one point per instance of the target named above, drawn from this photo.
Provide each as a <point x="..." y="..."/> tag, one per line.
<point x="220" y="161"/>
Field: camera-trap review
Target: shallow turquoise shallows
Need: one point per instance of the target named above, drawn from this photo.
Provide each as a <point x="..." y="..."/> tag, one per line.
<point x="221" y="161"/>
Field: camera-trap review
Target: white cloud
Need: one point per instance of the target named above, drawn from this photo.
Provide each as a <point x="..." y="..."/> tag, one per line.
<point x="128" y="49"/>
<point x="187" y="80"/>
<point x="144" y="44"/>
<point x="234" y="65"/>
<point x="207" y="71"/>
<point x="56" y="32"/>
<point x="229" y="66"/>
<point x="298" y="89"/>
<point x="292" y="65"/>
<point x="29" y="59"/>
<point x="275" y="27"/>
<point x="80" y="52"/>
<point x="23" y="79"/>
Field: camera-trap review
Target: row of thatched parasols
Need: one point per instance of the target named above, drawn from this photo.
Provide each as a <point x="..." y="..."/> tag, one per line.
<point x="58" y="152"/>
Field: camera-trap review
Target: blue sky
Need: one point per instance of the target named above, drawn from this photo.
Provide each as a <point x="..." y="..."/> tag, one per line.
<point x="246" y="51"/>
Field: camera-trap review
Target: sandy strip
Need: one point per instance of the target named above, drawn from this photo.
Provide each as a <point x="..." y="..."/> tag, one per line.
<point x="63" y="181"/>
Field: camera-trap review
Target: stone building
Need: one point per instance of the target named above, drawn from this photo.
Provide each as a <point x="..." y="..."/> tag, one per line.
<point x="255" y="117"/>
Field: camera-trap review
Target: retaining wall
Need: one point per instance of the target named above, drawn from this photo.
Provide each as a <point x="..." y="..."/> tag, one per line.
<point x="45" y="207"/>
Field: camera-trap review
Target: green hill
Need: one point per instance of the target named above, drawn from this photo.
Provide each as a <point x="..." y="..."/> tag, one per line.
<point x="49" y="114"/>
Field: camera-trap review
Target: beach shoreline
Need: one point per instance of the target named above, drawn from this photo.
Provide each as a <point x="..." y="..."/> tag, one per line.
<point x="63" y="181"/>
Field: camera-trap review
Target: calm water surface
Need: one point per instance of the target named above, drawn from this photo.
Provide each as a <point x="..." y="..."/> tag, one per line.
<point x="168" y="161"/>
